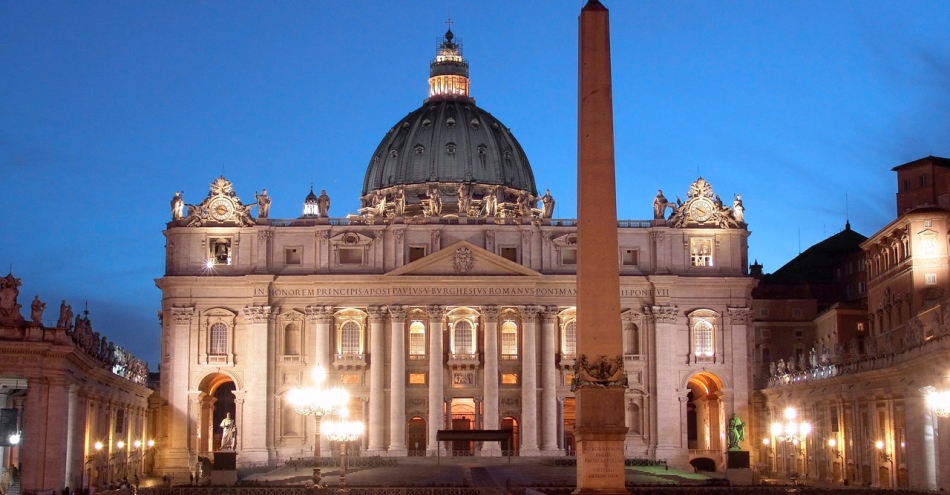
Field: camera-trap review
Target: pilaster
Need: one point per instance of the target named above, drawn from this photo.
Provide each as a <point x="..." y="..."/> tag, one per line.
<point x="397" y="379"/>
<point x="529" y="381"/>
<point x="377" y="381"/>
<point x="436" y="379"/>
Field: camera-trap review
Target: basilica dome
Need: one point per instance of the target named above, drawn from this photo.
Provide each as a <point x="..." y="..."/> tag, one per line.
<point x="448" y="143"/>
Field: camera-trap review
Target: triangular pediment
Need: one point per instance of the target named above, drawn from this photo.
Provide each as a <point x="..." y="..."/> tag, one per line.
<point x="463" y="259"/>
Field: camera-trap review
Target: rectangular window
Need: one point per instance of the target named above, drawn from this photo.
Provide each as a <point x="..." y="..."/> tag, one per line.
<point x="923" y="180"/>
<point x="766" y="355"/>
<point x="700" y="252"/>
<point x="219" y="340"/>
<point x="630" y="257"/>
<point x="351" y="256"/>
<point x="796" y="312"/>
<point x="416" y="253"/>
<point x="764" y="313"/>
<point x="861" y="287"/>
<point x="569" y="256"/>
<point x="509" y="338"/>
<point x="417" y="378"/>
<point x="928" y="223"/>
<point x="510" y="253"/>
<point x="219" y="251"/>
<point x="292" y="255"/>
<point x="417" y="339"/>
<point x="509" y="378"/>
<point x="120" y="421"/>
<point x="765" y="333"/>
<point x="799" y="333"/>
<point x="931" y="278"/>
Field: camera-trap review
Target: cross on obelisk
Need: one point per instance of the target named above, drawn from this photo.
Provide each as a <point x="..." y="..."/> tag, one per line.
<point x="599" y="381"/>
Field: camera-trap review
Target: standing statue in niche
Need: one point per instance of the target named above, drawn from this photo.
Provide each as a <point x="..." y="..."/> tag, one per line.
<point x="323" y="204"/>
<point x="660" y="203"/>
<point x="491" y="202"/>
<point x="736" y="432"/>
<point x="178" y="206"/>
<point x="435" y="201"/>
<point x="465" y="198"/>
<point x="228" y="433"/>
<point x="738" y="211"/>
<point x="36" y="310"/>
<point x="547" y="204"/>
<point x="263" y="203"/>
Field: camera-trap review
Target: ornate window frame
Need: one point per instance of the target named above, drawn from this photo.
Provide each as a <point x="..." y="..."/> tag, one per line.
<point x="566" y="249"/>
<point x="701" y="252"/>
<point x="285" y="321"/>
<point x="350" y="241"/>
<point x="210" y="318"/>
<point x="510" y="349"/>
<point x="349" y="361"/>
<point x="454" y="318"/>
<point x="567" y="338"/>
<point x="704" y="331"/>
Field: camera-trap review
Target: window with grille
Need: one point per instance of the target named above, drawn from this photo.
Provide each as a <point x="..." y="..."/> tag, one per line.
<point x="219" y="339"/>
<point x="463" y="337"/>
<point x="570" y="338"/>
<point x="509" y="338"/>
<point x="417" y="339"/>
<point x="350" y="338"/>
<point x="703" y="339"/>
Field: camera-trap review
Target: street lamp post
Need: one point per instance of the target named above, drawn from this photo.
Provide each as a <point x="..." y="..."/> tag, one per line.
<point x="342" y="432"/>
<point x="885" y="457"/>
<point x="793" y="432"/>
<point x="317" y="402"/>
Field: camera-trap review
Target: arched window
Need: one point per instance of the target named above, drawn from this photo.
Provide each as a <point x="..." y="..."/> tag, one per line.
<point x="417" y="339"/>
<point x="569" y="338"/>
<point x="703" y="339"/>
<point x="219" y="340"/>
<point x="509" y="338"/>
<point x="292" y="340"/>
<point x="463" y="338"/>
<point x="350" y="338"/>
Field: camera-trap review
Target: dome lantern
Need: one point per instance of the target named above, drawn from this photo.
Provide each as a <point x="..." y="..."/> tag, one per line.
<point x="448" y="72"/>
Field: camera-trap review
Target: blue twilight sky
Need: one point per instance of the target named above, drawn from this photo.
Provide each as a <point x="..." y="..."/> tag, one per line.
<point x="108" y="107"/>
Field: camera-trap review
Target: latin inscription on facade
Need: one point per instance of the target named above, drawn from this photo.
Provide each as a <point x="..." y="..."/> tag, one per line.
<point x="442" y="291"/>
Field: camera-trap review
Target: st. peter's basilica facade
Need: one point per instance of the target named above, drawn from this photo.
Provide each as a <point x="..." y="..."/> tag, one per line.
<point x="445" y="303"/>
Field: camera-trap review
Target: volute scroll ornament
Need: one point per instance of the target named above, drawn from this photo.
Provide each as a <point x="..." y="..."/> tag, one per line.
<point x="600" y="372"/>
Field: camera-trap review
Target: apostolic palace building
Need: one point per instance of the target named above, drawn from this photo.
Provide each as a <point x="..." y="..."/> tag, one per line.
<point x="447" y="302"/>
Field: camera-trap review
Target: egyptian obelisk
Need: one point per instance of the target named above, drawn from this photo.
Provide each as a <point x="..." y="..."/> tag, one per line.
<point x="599" y="377"/>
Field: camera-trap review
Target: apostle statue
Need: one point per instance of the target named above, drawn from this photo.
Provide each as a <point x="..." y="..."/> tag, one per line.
<point x="660" y="204"/>
<point x="178" y="206"/>
<point x="547" y="204"/>
<point x="263" y="204"/>
<point x="323" y="204"/>
<point x="36" y="310"/>
<point x="228" y="433"/>
<point x="738" y="211"/>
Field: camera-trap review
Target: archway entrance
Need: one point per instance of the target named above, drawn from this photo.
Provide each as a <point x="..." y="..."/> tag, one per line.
<point x="215" y="402"/>
<point x="705" y="414"/>
<point x="416" y="436"/>
<point x="509" y="423"/>
<point x="463" y="418"/>
<point x="569" y="425"/>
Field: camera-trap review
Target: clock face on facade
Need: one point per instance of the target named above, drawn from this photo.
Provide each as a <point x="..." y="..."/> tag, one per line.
<point x="221" y="209"/>
<point x="701" y="210"/>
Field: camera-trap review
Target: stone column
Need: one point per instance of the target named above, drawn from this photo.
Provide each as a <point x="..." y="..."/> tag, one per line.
<point x="669" y="432"/>
<point x="320" y="318"/>
<point x="256" y="421"/>
<point x="549" y="379"/>
<point x="921" y="430"/>
<point x="173" y="457"/>
<point x="529" y="381"/>
<point x="738" y="357"/>
<point x="436" y="387"/>
<point x="490" y="417"/>
<point x="397" y="379"/>
<point x="377" y="381"/>
<point x="74" y="438"/>
<point x="560" y="424"/>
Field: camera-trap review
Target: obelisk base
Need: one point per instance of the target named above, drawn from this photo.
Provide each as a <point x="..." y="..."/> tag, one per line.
<point x="600" y="463"/>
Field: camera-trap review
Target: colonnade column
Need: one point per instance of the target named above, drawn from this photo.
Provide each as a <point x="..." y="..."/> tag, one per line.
<point x="397" y="379"/>
<point x="256" y="421"/>
<point x="548" y="379"/>
<point x="174" y="455"/>
<point x="319" y="318"/>
<point x="529" y="381"/>
<point x="670" y="434"/>
<point x="377" y="379"/>
<point x="490" y="418"/>
<point x="921" y="461"/>
<point x="74" y="438"/>
<point x="436" y="414"/>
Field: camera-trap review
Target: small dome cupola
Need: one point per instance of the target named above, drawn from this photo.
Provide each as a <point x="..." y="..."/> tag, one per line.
<point x="448" y="72"/>
<point x="310" y="205"/>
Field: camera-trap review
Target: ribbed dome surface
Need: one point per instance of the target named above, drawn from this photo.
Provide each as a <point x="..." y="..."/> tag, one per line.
<point x="449" y="141"/>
